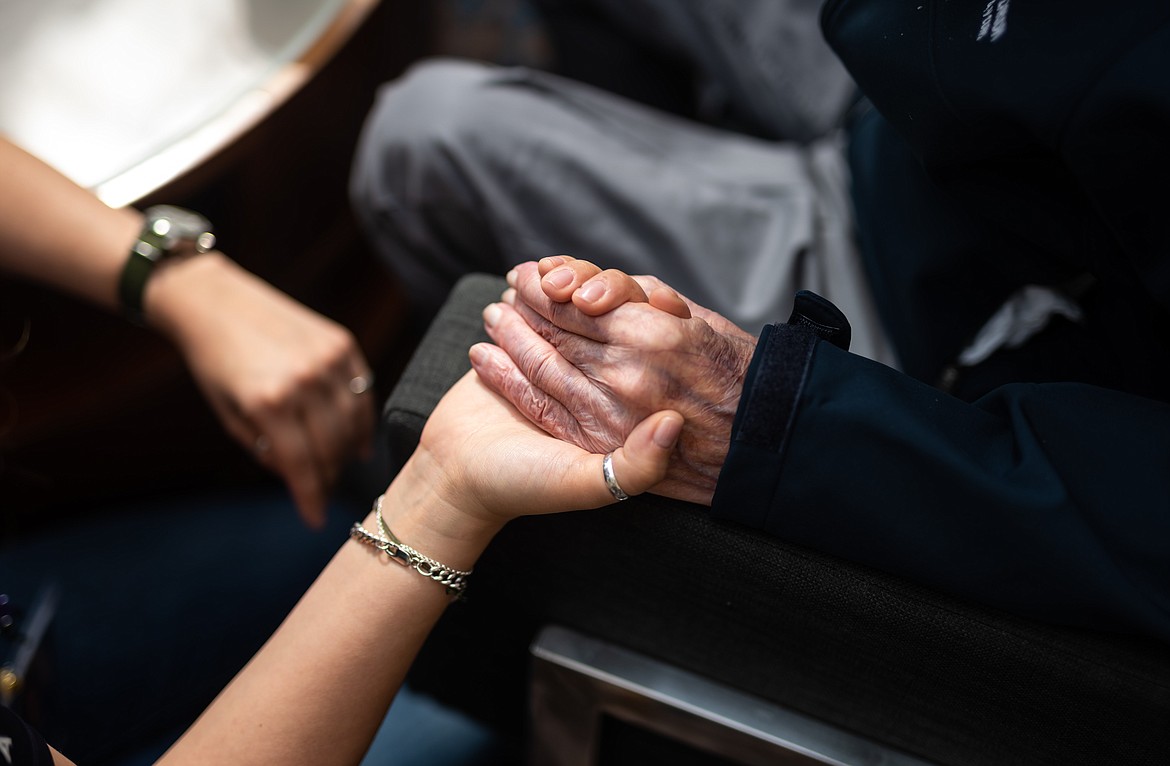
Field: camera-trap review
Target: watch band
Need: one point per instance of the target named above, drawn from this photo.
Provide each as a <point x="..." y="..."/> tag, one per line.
<point x="166" y="232"/>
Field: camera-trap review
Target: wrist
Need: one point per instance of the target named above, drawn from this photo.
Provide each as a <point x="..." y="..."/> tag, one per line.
<point x="179" y="286"/>
<point x="443" y="528"/>
<point x="167" y="233"/>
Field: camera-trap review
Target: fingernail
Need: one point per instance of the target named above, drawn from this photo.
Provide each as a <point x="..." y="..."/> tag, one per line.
<point x="491" y="314"/>
<point x="559" y="278"/>
<point x="476" y="354"/>
<point x="509" y="297"/>
<point x="510" y="277"/>
<point x="667" y="432"/>
<point x="591" y="292"/>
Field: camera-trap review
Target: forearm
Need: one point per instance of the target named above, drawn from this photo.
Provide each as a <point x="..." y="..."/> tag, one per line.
<point x="57" y="233"/>
<point x="181" y="291"/>
<point x="318" y="690"/>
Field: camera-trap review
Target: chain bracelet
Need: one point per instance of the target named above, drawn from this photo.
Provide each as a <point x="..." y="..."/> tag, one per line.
<point x="453" y="580"/>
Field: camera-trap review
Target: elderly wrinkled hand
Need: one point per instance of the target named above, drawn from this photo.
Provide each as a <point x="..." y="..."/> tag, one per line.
<point x="587" y="354"/>
<point x="288" y="384"/>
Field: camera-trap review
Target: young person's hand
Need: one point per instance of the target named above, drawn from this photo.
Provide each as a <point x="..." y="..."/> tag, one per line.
<point x="291" y="386"/>
<point x="480" y="463"/>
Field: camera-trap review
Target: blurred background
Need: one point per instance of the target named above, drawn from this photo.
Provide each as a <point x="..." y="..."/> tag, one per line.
<point x="247" y="111"/>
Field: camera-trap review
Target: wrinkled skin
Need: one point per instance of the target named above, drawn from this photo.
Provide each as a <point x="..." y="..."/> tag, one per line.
<point x="586" y="364"/>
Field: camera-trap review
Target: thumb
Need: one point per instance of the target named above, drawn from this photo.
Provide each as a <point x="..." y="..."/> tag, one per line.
<point x="642" y="461"/>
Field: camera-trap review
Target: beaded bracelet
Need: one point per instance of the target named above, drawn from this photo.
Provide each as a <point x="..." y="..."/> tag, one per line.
<point x="453" y="580"/>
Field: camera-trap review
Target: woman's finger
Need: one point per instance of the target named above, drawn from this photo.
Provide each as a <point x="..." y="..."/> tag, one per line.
<point x="327" y="418"/>
<point x="641" y="462"/>
<point x="635" y="467"/>
<point x="290" y="454"/>
<point x="358" y="404"/>
<point x="350" y="384"/>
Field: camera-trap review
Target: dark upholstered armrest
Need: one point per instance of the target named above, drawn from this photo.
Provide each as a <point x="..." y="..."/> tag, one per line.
<point x="439" y="361"/>
<point x="948" y="681"/>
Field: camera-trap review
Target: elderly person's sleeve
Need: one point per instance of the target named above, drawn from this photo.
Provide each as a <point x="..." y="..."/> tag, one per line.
<point x="1048" y="500"/>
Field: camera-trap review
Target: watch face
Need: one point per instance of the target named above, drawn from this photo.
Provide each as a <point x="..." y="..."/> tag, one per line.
<point x="166" y="231"/>
<point x="174" y="224"/>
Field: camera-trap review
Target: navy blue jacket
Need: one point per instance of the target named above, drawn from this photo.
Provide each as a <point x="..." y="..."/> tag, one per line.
<point x="1010" y="143"/>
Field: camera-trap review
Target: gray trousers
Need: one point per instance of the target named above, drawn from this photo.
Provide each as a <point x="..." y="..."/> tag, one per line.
<point x="465" y="167"/>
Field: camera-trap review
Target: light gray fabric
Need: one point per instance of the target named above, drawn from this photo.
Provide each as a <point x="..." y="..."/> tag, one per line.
<point x="464" y="167"/>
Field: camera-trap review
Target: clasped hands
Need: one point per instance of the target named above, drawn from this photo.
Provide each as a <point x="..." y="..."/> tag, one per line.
<point x="583" y="363"/>
<point x="587" y="354"/>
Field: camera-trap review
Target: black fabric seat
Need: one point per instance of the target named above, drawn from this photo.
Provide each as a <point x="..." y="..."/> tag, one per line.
<point x="944" y="680"/>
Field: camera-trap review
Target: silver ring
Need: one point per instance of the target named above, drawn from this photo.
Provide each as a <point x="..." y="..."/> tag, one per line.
<point x="261" y="445"/>
<point x="611" y="483"/>
<point x="361" y="384"/>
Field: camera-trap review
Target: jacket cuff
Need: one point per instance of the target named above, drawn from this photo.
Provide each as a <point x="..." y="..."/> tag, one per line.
<point x="763" y="421"/>
<point x="767" y="408"/>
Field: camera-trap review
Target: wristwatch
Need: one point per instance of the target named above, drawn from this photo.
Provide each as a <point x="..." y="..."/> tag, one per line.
<point x="167" y="232"/>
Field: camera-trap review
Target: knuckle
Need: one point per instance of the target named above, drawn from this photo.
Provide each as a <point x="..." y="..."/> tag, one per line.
<point x="339" y="346"/>
<point x="535" y="363"/>
<point x="269" y="399"/>
<point x="545" y="368"/>
<point x="547" y="332"/>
